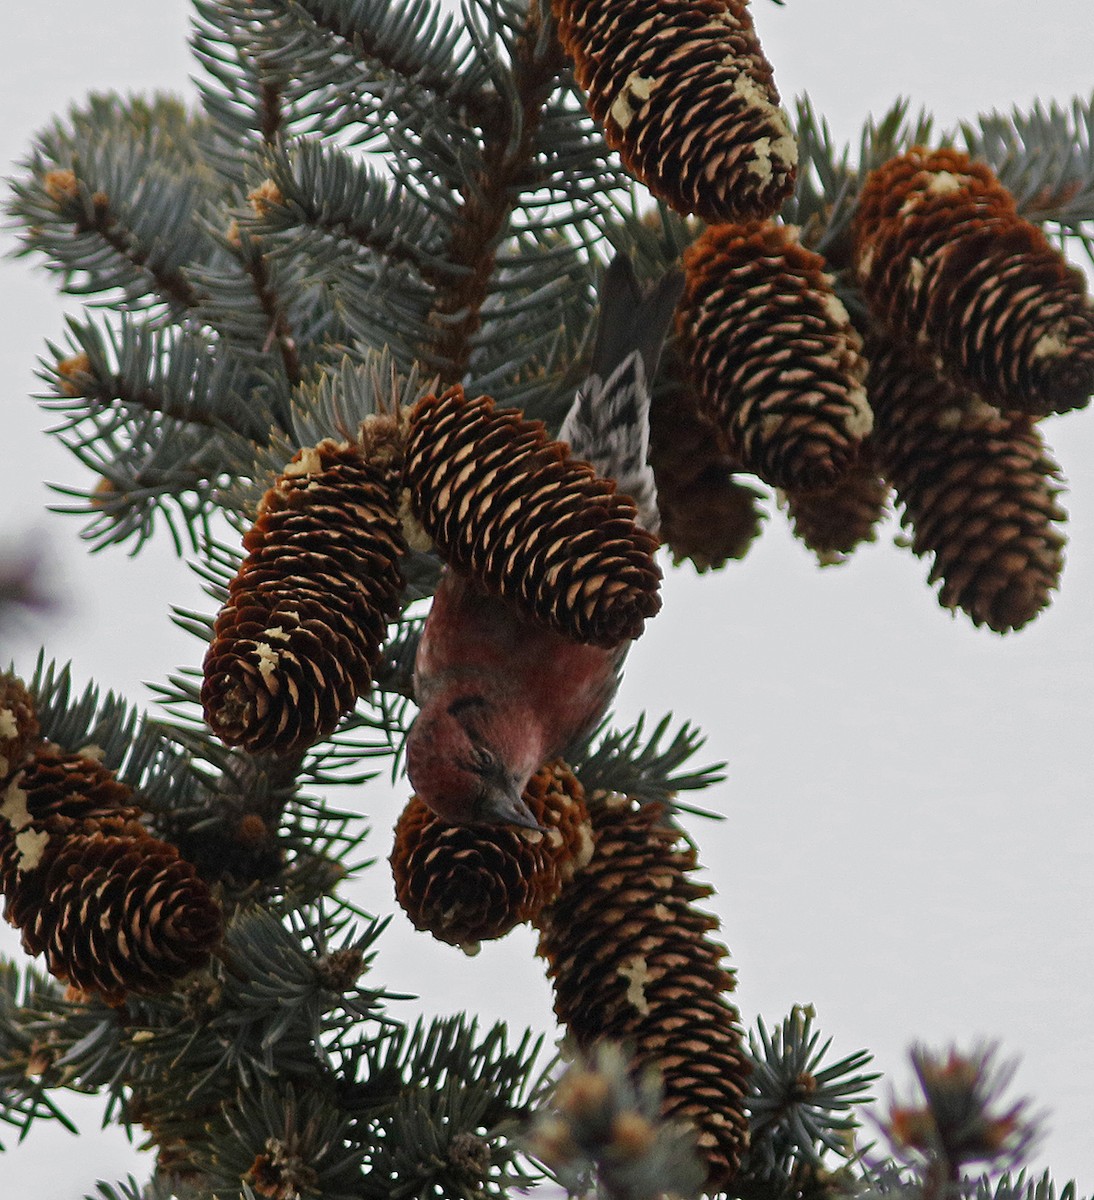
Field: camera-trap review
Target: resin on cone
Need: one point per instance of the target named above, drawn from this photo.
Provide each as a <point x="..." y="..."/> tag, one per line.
<point x="685" y="95"/>
<point x="947" y="264"/>
<point x="510" y="508"/>
<point x="773" y="355"/>
<point x="978" y="487"/>
<point x="18" y="724"/>
<point x="295" y="646"/>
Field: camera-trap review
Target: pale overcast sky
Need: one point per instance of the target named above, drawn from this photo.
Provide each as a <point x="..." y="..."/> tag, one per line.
<point x="909" y="800"/>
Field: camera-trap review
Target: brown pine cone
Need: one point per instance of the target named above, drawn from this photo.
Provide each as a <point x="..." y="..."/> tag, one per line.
<point x="116" y="913"/>
<point x="295" y="646"/>
<point x="685" y="94"/>
<point x="717" y="519"/>
<point x="467" y="884"/>
<point x="978" y="488"/>
<point x="509" y="507"/>
<point x="19" y="730"/>
<point x="55" y="796"/>
<point x="707" y="516"/>
<point x="113" y="908"/>
<point x="773" y="355"/>
<point x="73" y="788"/>
<point x="834" y="522"/>
<point x="946" y="263"/>
<point x="631" y="961"/>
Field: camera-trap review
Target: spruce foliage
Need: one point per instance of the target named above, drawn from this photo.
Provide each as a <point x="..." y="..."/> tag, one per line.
<point x="373" y="202"/>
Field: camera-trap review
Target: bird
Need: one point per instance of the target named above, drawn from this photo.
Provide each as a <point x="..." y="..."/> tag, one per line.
<point x="499" y="693"/>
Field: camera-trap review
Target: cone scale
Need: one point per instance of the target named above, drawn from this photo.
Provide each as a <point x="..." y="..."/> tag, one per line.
<point x="112" y="908"/>
<point x="466" y="884"/>
<point x="509" y="507"/>
<point x="978" y="487"/>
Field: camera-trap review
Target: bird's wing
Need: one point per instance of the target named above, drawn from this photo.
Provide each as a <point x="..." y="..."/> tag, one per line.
<point x="608" y="422"/>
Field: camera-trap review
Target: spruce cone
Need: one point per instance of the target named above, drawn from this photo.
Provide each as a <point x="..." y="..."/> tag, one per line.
<point x="467" y="884"/>
<point x="631" y="961"/>
<point x="978" y="488"/>
<point x="511" y="509"/>
<point x="295" y="646"/>
<point x="685" y="94"/>
<point x="773" y="354"/>
<point x="18" y="725"/>
<point x="707" y="516"/>
<point x="715" y="520"/>
<point x="70" y="791"/>
<point x="113" y="908"/>
<point x="115" y="913"/>
<point x="945" y="261"/>
<point x="833" y="523"/>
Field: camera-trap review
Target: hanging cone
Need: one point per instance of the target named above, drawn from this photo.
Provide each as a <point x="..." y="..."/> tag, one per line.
<point x="18" y="725"/>
<point x="833" y="523"/>
<point x="631" y="961"/>
<point x="946" y="263"/>
<point x="978" y="488"/>
<point x="74" y="789"/>
<point x="113" y="908"/>
<point x="716" y="520"/>
<point x="467" y="884"/>
<point x="508" y="507"/>
<point x="115" y="913"/>
<point x="707" y="516"/>
<point x="686" y="96"/>
<point x="773" y="354"/>
<point x="295" y="646"/>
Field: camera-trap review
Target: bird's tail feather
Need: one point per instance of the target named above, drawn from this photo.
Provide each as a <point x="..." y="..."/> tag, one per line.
<point x="633" y="318"/>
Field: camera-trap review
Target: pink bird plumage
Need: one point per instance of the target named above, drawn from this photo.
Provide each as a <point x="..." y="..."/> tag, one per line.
<point x="499" y="694"/>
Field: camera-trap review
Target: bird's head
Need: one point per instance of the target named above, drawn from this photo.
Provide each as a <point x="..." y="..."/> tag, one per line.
<point x="461" y="772"/>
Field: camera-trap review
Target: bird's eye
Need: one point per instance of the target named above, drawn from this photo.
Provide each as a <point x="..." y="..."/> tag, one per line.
<point x="483" y="760"/>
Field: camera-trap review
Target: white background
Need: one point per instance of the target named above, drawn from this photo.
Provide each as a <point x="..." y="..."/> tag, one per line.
<point x="909" y="819"/>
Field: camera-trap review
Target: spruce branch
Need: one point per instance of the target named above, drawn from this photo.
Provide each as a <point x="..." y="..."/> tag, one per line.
<point x="1044" y="157"/>
<point x="240" y="96"/>
<point x="109" y="378"/>
<point x="415" y="41"/>
<point x="606" y="1125"/>
<point x="633" y="764"/>
<point x="110" y="199"/>
<point x="328" y="191"/>
<point x="489" y="195"/>
<point x="442" y="1107"/>
<point x="959" y="1118"/>
<point x="170" y="481"/>
<point x="801" y="1104"/>
<point x="279" y="329"/>
<point x="1009" y="1186"/>
<point x="27" y="1070"/>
